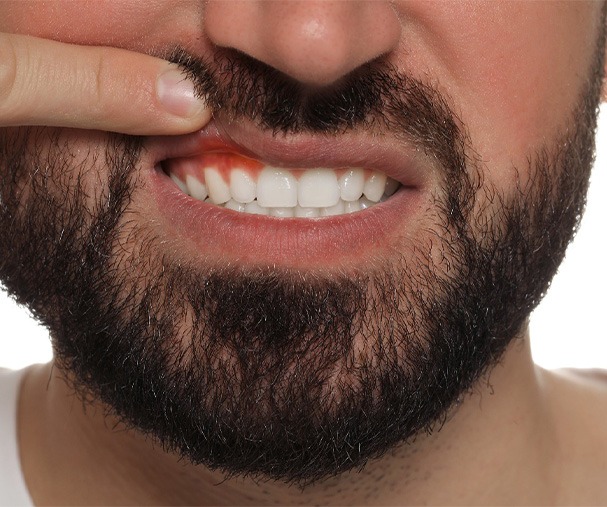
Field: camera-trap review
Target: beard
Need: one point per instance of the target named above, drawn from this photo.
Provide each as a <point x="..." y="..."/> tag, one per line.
<point x="295" y="375"/>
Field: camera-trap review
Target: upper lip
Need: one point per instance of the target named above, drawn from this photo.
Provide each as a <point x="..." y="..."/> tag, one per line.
<point x="398" y="159"/>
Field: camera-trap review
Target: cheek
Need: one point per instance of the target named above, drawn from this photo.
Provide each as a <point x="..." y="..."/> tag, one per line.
<point x="529" y="92"/>
<point x="514" y="70"/>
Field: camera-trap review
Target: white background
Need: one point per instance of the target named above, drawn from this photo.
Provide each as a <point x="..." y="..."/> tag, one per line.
<point x="569" y="329"/>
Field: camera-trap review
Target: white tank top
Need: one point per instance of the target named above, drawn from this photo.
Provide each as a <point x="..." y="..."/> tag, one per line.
<point x="13" y="491"/>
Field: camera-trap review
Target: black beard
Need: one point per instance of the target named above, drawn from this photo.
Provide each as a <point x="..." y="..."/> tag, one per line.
<point x="277" y="373"/>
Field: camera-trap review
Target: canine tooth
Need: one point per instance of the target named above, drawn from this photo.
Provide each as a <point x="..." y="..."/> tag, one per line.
<point x="276" y="188"/>
<point x="352" y="206"/>
<point x="234" y="205"/>
<point x="256" y="209"/>
<point x="195" y="188"/>
<point x="219" y="192"/>
<point x="318" y="188"/>
<point x="375" y="186"/>
<point x="182" y="186"/>
<point x="282" y="212"/>
<point x="351" y="184"/>
<point x="306" y="212"/>
<point x="391" y="186"/>
<point x="242" y="186"/>
<point x="338" y="209"/>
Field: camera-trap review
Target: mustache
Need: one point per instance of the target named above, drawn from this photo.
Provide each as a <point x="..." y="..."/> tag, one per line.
<point x="375" y="97"/>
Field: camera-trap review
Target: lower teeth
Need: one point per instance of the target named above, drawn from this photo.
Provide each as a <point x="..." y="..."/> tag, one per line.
<point x="341" y="208"/>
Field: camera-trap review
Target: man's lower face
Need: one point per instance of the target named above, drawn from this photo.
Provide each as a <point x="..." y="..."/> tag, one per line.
<point x="295" y="368"/>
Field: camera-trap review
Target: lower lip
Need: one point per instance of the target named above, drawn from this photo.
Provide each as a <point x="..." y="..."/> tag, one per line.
<point x="221" y="235"/>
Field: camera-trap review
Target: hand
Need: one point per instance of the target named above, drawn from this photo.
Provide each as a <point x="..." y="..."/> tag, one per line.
<point x="44" y="82"/>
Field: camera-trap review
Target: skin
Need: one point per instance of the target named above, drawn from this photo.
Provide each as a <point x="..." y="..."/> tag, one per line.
<point x="532" y="436"/>
<point x="36" y="73"/>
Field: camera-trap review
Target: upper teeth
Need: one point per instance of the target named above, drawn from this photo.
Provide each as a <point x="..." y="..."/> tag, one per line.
<point x="281" y="192"/>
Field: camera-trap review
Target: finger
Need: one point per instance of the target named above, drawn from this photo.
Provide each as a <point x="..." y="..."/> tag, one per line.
<point x="45" y="82"/>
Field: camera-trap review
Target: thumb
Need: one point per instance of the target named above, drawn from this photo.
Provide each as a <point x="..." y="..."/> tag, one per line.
<point x="44" y="82"/>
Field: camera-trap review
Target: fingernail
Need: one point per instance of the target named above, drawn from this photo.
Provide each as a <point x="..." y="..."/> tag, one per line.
<point x="176" y="93"/>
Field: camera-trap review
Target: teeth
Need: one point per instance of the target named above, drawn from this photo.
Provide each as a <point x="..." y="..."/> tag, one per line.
<point x="375" y="186"/>
<point x="318" y="188"/>
<point x="307" y="212"/>
<point x="352" y="206"/>
<point x="276" y="188"/>
<point x="242" y="186"/>
<point x="182" y="186"/>
<point x="365" y="203"/>
<point x="351" y="184"/>
<point x="235" y="205"/>
<point x="256" y="209"/>
<point x="338" y="209"/>
<point x="219" y="192"/>
<point x="391" y="186"/>
<point x="282" y="212"/>
<point x="195" y="188"/>
<point x="279" y="193"/>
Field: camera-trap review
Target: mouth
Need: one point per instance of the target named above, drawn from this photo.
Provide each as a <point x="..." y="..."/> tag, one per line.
<point x="246" y="185"/>
<point x="238" y="194"/>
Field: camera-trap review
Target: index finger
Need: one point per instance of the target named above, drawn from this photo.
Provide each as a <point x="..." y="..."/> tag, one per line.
<point x="44" y="82"/>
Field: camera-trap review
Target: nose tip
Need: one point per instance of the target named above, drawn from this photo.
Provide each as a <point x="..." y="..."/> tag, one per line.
<point x="314" y="42"/>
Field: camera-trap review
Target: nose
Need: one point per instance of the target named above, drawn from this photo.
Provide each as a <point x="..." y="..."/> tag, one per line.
<point x="313" y="41"/>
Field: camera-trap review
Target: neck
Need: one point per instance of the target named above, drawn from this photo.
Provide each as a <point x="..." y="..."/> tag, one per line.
<point x="493" y="449"/>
